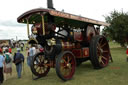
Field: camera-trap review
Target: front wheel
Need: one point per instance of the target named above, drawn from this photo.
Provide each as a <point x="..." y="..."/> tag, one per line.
<point x="65" y="65"/>
<point x="39" y="65"/>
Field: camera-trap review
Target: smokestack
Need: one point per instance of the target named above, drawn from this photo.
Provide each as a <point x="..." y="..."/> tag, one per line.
<point x="50" y="4"/>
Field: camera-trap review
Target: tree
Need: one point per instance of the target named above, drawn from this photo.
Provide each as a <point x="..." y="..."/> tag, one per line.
<point x="118" y="29"/>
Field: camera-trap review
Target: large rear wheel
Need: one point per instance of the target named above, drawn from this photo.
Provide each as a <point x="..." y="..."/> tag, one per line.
<point x="39" y="65"/>
<point x="99" y="51"/>
<point x="65" y="65"/>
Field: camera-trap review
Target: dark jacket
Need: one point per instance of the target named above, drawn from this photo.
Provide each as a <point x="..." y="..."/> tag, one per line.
<point x="17" y="56"/>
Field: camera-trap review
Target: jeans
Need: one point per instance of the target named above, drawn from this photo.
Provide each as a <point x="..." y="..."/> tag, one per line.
<point x="19" y="69"/>
<point x="1" y="75"/>
<point x="29" y="60"/>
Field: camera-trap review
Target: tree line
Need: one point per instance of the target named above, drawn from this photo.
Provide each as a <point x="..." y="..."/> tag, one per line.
<point x="118" y="29"/>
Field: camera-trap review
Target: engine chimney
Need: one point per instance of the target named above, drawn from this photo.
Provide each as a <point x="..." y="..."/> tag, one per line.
<point x="50" y="4"/>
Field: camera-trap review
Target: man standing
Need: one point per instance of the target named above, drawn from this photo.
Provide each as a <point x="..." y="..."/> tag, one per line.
<point x="1" y="67"/>
<point x="18" y="59"/>
<point x="22" y="46"/>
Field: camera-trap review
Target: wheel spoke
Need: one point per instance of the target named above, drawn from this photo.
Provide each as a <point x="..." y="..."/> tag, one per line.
<point x="41" y="71"/>
<point x="68" y="58"/>
<point x="64" y="60"/>
<point x="38" y="70"/>
<point x="46" y="65"/>
<point x="62" y="64"/>
<point x="102" y="62"/>
<point x="44" y="69"/>
<point x="98" y="48"/>
<point x="41" y="59"/>
<point x="98" y="45"/>
<point x="101" y="41"/>
<point x="45" y="61"/>
<point x="105" y="51"/>
<point x="99" y="58"/>
<point x="104" y="57"/>
<point x="36" y="60"/>
<point x="36" y="66"/>
<point x="72" y="63"/>
<point x="65" y="72"/>
<point x="103" y="45"/>
<point x="62" y="68"/>
<point x="70" y="69"/>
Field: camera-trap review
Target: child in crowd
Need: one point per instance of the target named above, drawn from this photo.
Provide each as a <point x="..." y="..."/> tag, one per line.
<point x="8" y="63"/>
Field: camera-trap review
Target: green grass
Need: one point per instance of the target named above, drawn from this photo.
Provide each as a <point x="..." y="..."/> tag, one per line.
<point x="115" y="73"/>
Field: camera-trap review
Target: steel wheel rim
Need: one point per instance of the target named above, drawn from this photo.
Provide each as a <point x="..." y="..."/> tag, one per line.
<point x="67" y="65"/>
<point x="40" y="65"/>
<point x="103" y="51"/>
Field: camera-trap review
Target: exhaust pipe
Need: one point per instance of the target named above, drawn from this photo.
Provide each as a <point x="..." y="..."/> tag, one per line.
<point x="50" y="4"/>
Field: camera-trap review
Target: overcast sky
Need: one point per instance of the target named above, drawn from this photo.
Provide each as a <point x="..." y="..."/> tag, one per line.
<point x="11" y="9"/>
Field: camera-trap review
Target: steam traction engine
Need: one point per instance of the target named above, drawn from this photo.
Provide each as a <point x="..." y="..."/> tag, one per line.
<point x="68" y="40"/>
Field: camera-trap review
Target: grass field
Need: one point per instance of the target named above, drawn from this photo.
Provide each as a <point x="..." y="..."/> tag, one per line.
<point x="115" y="73"/>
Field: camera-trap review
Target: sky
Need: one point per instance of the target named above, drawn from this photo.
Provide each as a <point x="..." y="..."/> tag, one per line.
<point x="11" y="9"/>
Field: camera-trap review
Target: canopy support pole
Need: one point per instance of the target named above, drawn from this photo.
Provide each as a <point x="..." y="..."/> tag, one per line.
<point x="43" y="27"/>
<point x="28" y="27"/>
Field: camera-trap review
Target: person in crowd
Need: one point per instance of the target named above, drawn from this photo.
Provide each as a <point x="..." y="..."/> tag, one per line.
<point x="22" y="46"/>
<point x="8" y="63"/>
<point x="1" y="67"/>
<point x="127" y="53"/>
<point x="31" y="53"/>
<point x="18" y="59"/>
<point x="34" y="50"/>
<point x="27" y="53"/>
<point x="10" y="50"/>
<point x="17" y="47"/>
<point x="4" y="48"/>
<point x="41" y="49"/>
<point x="37" y="49"/>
